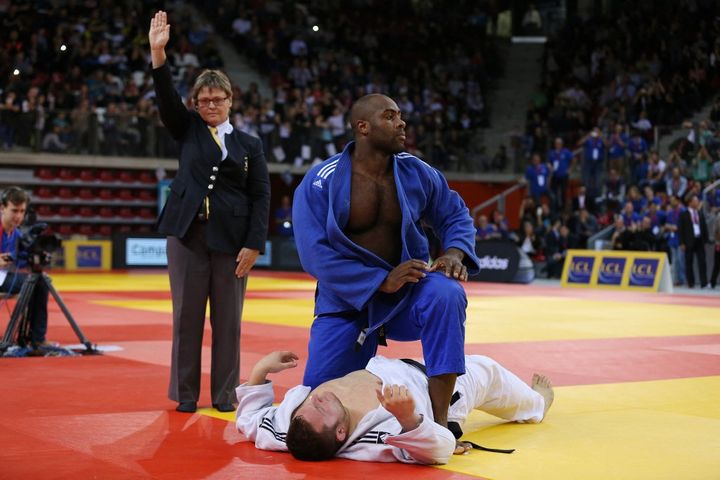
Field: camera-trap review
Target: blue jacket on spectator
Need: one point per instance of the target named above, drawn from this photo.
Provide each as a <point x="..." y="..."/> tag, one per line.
<point x="616" y="150"/>
<point x="638" y="146"/>
<point x="560" y="161"/>
<point x="594" y="149"/>
<point x="537" y="177"/>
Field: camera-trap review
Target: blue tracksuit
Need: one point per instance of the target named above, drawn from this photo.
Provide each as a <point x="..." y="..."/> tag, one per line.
<point x="347" y="297"/>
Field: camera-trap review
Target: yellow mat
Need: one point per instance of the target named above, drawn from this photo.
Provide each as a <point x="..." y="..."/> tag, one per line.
<point x="667" y="429"/>
<point x="498" y="319"/>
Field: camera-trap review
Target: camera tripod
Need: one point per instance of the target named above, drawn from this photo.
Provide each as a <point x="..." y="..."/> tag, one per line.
<point x="18" y="325"/>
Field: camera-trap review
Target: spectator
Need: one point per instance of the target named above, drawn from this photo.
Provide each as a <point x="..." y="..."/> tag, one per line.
<point x="716" y="248"/>
<point x="498" y="219"/>
<point x="617" y="147"/>
<point x="560" y="158"/>
<point x="693" y="237"/>
<point x="656" y="171"/>
<point x="593" y="157"/>
<point x="557" y="242"/>
<point x="648" y="198"/>
<point x="283" y="218"/>
<point x="645" y="239"/>
<point x="9" y="114"/>
<point x="583" y="200"/>
<point x="485" y="230"/>
<point x="52" y="143"/>
<point x="532" y="21"/>
<point x="623" y="237"/>
<point x="614" y="191"/>
<point x="585" y="226"/>
<point x="528" y="241"/>
<point x="629" y="215"/>
<point x="672" y="237"/>
<point x="677" y="185"/>
<point x="537" y="175"/>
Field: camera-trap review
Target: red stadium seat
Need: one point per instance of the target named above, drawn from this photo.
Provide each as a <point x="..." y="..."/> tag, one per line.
<point x="106" y="194"/>
<point x="66" y="192"/>
<point x="68" y="174"/>
<point x="65" y="229"/>
<point x="127" y="176"/>
<point x="147" y="195"/>
<point x="45" y="173"/>
<point x="107" y="175"/>
<point x="45" y="210"/>
<point x="86" y="211"/>
<point x="66" y="211"/>
<point x="147" y="177"/>
<point x="126" y="212"/>
<point x="105" y="230"/>
<point x="126" y="194"/>
<point x="106" y="212"/>
<point x="86" y="229"/>
<point x="87" y="175"/>
<point x="86" y="194"/>
<point x="147" y="212"/>
<point x="44" y="192"/>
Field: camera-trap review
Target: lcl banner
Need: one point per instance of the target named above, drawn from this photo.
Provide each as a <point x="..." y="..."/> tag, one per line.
<point x="618" y="270"/>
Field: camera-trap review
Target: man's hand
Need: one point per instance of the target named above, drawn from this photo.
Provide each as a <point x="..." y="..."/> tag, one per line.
<point x="272" y="363"/>
<point x="451" y="264"/>
<point x="246" y="259"/>
<point x="410" y="271"/>
<point x="5" y="260"/>
<point x="398" y="400"/>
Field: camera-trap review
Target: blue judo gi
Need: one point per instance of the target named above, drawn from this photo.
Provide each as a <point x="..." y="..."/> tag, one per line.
<point x="349" y="309"/>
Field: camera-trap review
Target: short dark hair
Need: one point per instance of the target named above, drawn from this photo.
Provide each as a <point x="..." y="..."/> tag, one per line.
<point x="14" y="195"/>
<point x="304" y="443"/>
<point x="212" y="79"/>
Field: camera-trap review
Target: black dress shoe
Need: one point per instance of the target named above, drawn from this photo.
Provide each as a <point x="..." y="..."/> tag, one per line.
<point x="224" y="407"/>
<point x="186" y="407"/>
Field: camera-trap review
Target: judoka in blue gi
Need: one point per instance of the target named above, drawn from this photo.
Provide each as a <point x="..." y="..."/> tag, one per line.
<point x="358" y="221"/>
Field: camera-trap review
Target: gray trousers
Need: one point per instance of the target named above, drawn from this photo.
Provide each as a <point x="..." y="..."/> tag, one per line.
<point x="196" y="274"/>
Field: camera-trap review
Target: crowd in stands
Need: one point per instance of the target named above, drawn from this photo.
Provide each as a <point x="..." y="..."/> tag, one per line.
<point x="602" y="94"/>
<point x="75" y="74"/>
<point x="321" y="56"/>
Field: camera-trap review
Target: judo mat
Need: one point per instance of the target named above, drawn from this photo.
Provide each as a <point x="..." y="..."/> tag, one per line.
<point x="637" y="380"/>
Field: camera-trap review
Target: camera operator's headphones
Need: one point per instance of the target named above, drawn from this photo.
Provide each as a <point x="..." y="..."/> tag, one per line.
<point x="8" y="191"/>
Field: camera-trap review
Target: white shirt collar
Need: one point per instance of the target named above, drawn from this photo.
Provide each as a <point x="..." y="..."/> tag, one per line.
<point x="224" y="128"/>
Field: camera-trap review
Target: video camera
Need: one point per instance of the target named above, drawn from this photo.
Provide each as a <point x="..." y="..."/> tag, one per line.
<point x="37" y="248"/>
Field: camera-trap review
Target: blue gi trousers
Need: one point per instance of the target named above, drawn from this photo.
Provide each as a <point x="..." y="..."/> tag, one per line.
<point x="434" y="314"/>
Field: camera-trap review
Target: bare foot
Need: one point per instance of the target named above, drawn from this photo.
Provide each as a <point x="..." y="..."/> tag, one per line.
<point x="542" y="385"/>
<point x="461" y="448"/>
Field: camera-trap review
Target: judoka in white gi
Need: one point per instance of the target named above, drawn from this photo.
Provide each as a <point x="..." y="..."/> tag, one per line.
<point x="382" y="413"/>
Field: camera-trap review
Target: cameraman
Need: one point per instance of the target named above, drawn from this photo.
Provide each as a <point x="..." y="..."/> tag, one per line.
<point x="12" y="214"/>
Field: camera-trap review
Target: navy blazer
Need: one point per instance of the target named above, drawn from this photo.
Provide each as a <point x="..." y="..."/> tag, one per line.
<point x="238" y="187"/>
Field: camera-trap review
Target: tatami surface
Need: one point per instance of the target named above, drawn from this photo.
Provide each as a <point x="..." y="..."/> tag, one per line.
<point x="637" y="376"/>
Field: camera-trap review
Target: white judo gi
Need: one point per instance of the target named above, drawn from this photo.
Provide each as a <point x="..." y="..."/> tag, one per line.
<point x="486" y="386"/>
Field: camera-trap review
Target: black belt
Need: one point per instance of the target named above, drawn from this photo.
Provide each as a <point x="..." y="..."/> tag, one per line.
<point x="454" y="427"/>
<point x="382" y="340"/>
